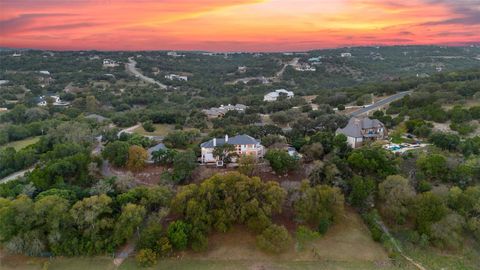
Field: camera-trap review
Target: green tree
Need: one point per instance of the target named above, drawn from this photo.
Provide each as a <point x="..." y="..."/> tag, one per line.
<point x="373" y="161"/>
<point x="246" y="164"/>
<point x="136" y="158"/>
<point x="318" y="205"/>
<point x="398" y="194"/>
<point x="146" y="258"/>
<point x="428" y="209"/>
<point x="362" y="193"/>
<point x="117" y="153"/>
<point x="148" y="126"/>
<point x="177" y="233"/>
<point x="274" y="239"/>
<point x="433" y="166"/>
<point x="280" y="161"/>
<point x="129" y="220"/>
<point x="184" y="164"/>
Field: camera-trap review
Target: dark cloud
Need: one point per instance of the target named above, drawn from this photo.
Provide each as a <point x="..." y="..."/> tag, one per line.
<point x="467" y="12"/>
<point x="63" y="26"/>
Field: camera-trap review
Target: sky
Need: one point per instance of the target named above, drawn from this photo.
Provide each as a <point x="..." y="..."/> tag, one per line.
<point x="235" y="25"/>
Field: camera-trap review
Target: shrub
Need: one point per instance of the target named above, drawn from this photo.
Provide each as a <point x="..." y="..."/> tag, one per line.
<point x="305" y="235"/>
<point x="274" y="239"/>
<point x="146" y="257"/>
<point x="177" y="233"/>
<point x="424" y="186"/>
<point x="148" y="126"/>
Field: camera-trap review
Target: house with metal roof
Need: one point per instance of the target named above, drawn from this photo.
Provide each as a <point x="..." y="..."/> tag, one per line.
<point x="361" y="130"/>
<point x="273" y="96"/>
<point x="155" y="148"/>
<point x="244" y="145"/>
<point x="216" y="112"/>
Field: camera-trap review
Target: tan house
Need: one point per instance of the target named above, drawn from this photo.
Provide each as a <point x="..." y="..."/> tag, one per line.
<point x="361" y="130"/>
<point x="244" y="145"/>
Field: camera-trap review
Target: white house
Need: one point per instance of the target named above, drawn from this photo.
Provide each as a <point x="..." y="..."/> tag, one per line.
<point x="346" y="54"/>
<point x="44" y="72"/>
<point x="305" y="67"/>
<point x="175" y="54"/>
<point x="273" y="96"/>
<point x="42" y="101"/>
<point x="244" y="145"/>
<point x="242" y="69"/>
<point x="360" y="130"/>
<point x="109" y="63"/>
<point x="176" y="77"/>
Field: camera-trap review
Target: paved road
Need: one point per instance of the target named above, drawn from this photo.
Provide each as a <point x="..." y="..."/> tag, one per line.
<point x="130" y="66"/>
<point x="380" y="103"/>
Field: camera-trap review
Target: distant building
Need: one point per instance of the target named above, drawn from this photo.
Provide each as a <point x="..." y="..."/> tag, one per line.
<point x="242" y="69"/>
<point x="305" y="67"/>
<point x="2" y="82"/>
<point x="109" y="63"/>
<point x="273" y="96"/>
<point x="175" y="54"/>
<point x="244" y="145"/>
<point x="176" y="77"/>
<point x="2" y="109"/>
<point x="56" y="101"/>
<point x="16" y="54"/>
<point x="44" y="72"/>
<point x="315" y="59"/>
<point x="346" y="55"/>
<point x="216" y="112"/>
<point x="361" y="130"/>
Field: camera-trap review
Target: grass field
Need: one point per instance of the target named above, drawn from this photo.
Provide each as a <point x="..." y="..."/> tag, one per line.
<point x="347" y="245"/>
<point x="22" y="143"/>
<point x="160" y="130"/>
<point x="433" y="259"/>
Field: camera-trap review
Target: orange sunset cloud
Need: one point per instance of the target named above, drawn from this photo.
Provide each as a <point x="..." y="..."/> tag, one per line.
<point x="235" y="25"/>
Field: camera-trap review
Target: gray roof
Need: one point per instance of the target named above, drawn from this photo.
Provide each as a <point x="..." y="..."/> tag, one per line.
<point x="157" y="147"/>
<point x="356" y="125"/>
<point x="239" y="139"/>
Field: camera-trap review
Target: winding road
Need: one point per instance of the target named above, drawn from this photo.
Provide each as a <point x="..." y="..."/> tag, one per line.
<point x="380" y="103"/>
<point x="130" y="67"/>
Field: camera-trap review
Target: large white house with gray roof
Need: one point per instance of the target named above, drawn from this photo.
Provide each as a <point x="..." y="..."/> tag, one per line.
<point x="361" y="130"/>
<point x="244" y="145"/>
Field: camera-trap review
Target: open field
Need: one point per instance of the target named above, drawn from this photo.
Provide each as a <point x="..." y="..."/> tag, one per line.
<point x="160" y="130"/>
<point x="434" y="259"/>
<point x="22" y="143"/>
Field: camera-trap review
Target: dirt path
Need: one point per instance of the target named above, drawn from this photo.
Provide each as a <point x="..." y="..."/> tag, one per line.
<point x="397" y="246"/>
<point x="130" y="67"/>
<point x="123" y="253"/>
<point x="15" y="175"/>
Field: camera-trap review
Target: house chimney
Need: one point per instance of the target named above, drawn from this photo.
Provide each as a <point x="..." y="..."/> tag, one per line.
<point x="214" y="142"/>
<point x="226" y="138"/>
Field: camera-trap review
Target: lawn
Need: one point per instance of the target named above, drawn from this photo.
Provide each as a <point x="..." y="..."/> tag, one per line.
<point x="160" y="130"/>
<point x="22" y="143"/>
<point x="433" y="259"/>
<point x="78" y="263"/>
